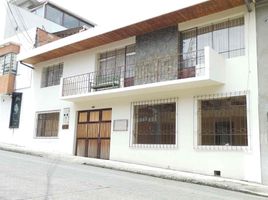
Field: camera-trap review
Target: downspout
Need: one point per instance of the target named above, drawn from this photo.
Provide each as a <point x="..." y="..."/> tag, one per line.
<point x="249" y="4"/>
<point x="26" y="65"/>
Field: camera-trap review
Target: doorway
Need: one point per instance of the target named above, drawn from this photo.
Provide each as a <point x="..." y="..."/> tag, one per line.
<point x="94" y="133"/>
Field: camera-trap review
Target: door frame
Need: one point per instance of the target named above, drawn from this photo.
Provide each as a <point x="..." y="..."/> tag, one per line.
<point x="87" y="139"/>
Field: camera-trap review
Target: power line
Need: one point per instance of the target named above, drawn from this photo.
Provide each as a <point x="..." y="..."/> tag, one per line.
<point x="17" y="24"/>
<point x="23" y="23"/>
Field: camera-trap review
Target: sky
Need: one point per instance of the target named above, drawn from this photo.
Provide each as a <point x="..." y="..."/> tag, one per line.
<point x="122" y="12"/>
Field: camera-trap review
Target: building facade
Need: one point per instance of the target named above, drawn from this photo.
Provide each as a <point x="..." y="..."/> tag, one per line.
<point x="22" y="29"/>
<point x="262" y="31"/>
<point x="177" y="91"/>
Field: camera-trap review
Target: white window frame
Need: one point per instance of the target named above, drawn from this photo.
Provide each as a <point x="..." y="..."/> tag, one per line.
<point x="196" y="124"/>
<point x="44" y="75"/>
<point x="36" y="124"/>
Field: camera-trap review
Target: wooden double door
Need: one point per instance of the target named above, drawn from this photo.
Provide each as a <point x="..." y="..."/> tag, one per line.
<point x="94" y="133"/>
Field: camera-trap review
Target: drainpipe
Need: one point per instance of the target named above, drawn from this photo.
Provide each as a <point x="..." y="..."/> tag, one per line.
<point x="248" y="4"/>
<point x="26" y="65"/>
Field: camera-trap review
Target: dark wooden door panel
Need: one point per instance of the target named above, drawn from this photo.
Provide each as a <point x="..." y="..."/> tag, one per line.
<point x="105" y="149"/>
<point x="82" y="130"/>
<point x="105" y="130"/>
<point x="93" y="133"/>
<point x="93" y="148"/>
<point x="81" y="147"/>
<point x="93" y="130"/>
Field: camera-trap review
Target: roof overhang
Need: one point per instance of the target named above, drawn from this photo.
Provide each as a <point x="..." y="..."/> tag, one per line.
<point x="96" y="37"/>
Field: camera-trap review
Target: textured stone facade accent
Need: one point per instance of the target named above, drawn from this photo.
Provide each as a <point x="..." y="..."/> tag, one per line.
<point x="156" y="55"/>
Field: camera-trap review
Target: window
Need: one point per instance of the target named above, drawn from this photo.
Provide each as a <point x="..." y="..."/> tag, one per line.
<point x="62" y="18"/>
<point x="117" y="60"/>
<point x="223" y="121"/>
<point x="39" y="11"/>
<point x="227" y="38"/>
<point x="53" y="14"/>
<point x="118" y="63"/>
<point x="154" y="122"/>
<point x="70" y="21"/>
<point x="47" y="124"/>
<point x="51" y="75"/>
<point x="8" y="64"/>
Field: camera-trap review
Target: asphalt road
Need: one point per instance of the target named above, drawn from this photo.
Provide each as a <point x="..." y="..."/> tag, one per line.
<point x="28" y="177"/>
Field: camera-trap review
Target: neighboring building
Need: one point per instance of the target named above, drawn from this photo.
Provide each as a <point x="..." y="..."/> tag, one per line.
<point x="177" y="91"/>
<point x="262" y="52"/>
<point x="21" y="29"/>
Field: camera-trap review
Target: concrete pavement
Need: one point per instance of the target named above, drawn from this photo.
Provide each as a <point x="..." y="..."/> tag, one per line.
<point x="219" y="182"/>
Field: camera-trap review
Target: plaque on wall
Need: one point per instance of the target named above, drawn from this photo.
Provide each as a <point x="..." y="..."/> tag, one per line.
<point x="66" y="116"/>
<point x="14" y="121"/>
<point x="120" y="125"/>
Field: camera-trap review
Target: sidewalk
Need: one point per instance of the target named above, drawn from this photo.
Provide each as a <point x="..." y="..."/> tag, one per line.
<point x="219" y="182"/>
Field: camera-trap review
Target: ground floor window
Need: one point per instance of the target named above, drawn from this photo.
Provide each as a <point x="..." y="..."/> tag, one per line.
<point x="223" y="121"/>
<point x="47" y="124"/>
<point x="154" y="122"/>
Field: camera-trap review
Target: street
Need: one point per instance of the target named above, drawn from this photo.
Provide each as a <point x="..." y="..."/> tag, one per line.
<point x="28" y="177"/>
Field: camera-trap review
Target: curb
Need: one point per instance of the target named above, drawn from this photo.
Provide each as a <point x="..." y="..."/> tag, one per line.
<point x="217" y="182"/>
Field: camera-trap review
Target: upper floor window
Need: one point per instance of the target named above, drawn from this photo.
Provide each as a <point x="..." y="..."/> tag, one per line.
<point x="227" y="38"/>
<point x="60" y="17"/>
<point x="117" y="59"/>
<point x="51" y="75"/>
<point x="8" y="64"/>
<point x="120" y="62"/>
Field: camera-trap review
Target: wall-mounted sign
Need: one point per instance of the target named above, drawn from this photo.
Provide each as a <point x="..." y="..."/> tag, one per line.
<point x="14" y="121"/>
<point x="66" y="117"/>
<point x="120" y="125"/>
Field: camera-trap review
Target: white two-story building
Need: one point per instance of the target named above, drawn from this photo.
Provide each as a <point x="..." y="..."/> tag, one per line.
<point x="177" y="91"/>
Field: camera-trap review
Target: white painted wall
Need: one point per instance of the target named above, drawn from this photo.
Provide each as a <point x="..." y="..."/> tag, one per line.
<point x="25" y="37"/>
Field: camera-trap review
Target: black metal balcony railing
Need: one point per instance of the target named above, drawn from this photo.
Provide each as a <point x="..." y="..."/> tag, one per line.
<point x="150" y="71"/>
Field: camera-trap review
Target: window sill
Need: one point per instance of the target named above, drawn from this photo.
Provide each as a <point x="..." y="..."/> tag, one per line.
<point x="154" y="146"/>
<point x="222" y="148"/>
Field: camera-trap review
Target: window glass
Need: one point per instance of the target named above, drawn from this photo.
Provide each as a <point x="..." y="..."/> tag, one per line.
<point x="70" y="21"/>
<point x="8" y="64"/>
<point x="227" y="38"/>
<point x="220" y="38"/>
<point x="236" y="40"/>
<point x="39" y="11"/>
<point x="53" y="14"/>
<point x="223" y="121"/>
<point x="51" y="75"/>
<point x="188" y="45"/>
<point x="47" y="124"/>
<point x="154" y="123"/>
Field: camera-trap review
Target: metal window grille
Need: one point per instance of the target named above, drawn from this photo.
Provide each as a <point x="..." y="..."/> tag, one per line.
<point x="227" y="38"/>
<point x="222" y="121"/>
<point x="117" y="61"/>
<point x="154" y="122"/>
<point x="8" y="64"/>
<point x="47" y="124"/>
<point x="51" y="75"/>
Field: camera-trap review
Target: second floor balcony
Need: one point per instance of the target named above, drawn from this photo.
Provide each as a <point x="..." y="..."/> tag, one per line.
<point x="183" y="71"/>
